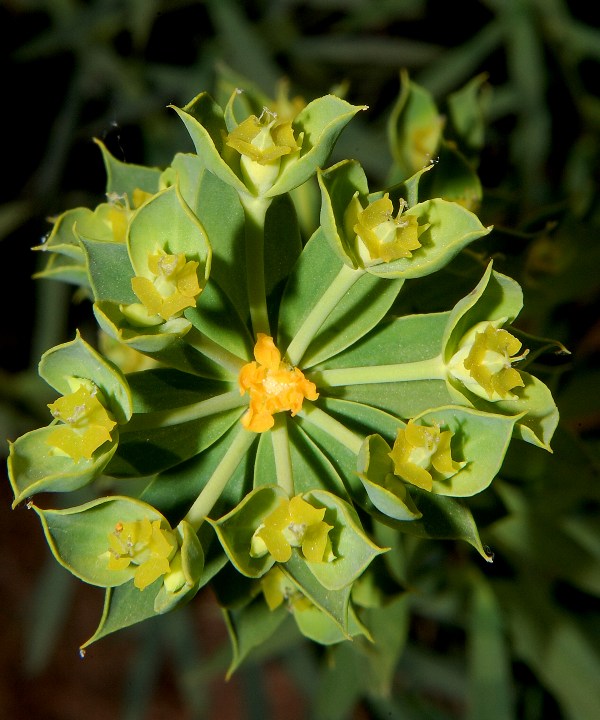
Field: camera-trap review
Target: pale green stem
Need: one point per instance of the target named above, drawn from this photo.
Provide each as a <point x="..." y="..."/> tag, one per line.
<point x="217" y="482"/>
<point x="215" y="352"/>
<point x="343" y="281"/>
<point x="317" y="417"/>
<point x="281" y="451"/>
<point x="430" y="369"/>
<point x="255" y="210"/>
<point x="177" y="416"/>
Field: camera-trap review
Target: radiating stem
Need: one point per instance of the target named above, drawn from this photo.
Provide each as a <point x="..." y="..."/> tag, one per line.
<point x="255" y="210"/>
<point x="215" y="352"/>
<point x="218" y="480"/>
<point x="430" y="369"/>
<point x="281" y="451"/>
<point x="317" y="417"/>
<point x="343" y="281"/>
<point x="194" y="411"/>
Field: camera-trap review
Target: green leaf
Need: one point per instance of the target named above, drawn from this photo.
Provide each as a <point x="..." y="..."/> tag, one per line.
<point x="62" y="238"/>
<point x="321" y="628"/>
<point x="380" y="660"/>
<point x="321" y="121"/>
<point x="452" y="178"/>
<point x="339" y="184"/>
<point x="282" y="243"/>
<point x="191" y="477"/>
<point x="154" y="449"/>
<point x="124" y="606"/>
<point x="404" y="400"/>
<point x="491" y="693"/>
<point x="414" y="128"/>
<point x="249" y="627"/>
<point x="444" y="518"/>
<point x="76" y="359"/>
<point x="64" y="269"/>
<point x="109" y="270"/>
<point x="187" y="172"/>
<point x="207" y="316"/>
<point x="203" y="119"/>
<point x="310" y="466"/>
<point x="221" y="214"/>
<point x="235" y="530"/>
<point x="534" y="409"/>
<point x="480" y="440"/>
<point x="314" y="271"/>
<point x="399" y="340"/>
<point x="164" y="388"/>
<point x="149" y="340"/>
<point x="79" y="536"/>
<point x="352" y="548"/>
<point x="123" y="178"/>
<point x="363" y="419"/>
<point x="466" y="114"/>
<point x="34" y="466"/>
<point x="557" y="645"/>
<point x="334" y="604"/>
<point x="357" y="312"/>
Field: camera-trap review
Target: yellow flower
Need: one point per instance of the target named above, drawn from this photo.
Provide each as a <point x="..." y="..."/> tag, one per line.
<point x="384" y="236"/>
<point x="87" y="423"/>
<point x="273" y="386"/>
<point x="173" y="288"/>
<point x="262" y="142"/>
<point x="294" y="523"/>
<point x="276" y="588"/>
<point x="263" y="139"/>
<point x="144" y="544"/>
<point x="483" y="362"/>
<point x="419" y="451"/>
<point x="118" y="212"/>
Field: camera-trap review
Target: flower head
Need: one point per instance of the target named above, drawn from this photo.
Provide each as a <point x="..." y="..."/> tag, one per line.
<point x="87" y="423"/>
<point x="144" y="544"/>
<point x="262" y="142"/>
<point x="118" y="212"/>
<point x="421" y="451"/>
<point x="263" y="139"/>
<point x="483" y="362"/>
<point x="294" y="523"/>
<point x="376" y="230"/>
<point x="173" y="287"/>
<point x="273" y="386"/>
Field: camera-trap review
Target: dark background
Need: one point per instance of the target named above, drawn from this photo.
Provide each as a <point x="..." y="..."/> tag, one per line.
<point x="72" y="71"/>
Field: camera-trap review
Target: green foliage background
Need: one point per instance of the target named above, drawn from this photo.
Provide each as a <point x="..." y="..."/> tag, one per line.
<point x="518" y="639"/>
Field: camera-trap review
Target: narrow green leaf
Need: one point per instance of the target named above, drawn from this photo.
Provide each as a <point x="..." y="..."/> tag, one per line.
<point x="491" y="694"/>
<point x="154" y="449"/>
<point x="249" y="627"/>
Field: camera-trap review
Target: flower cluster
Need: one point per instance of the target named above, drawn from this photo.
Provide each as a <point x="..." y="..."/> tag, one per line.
<point x="283" y="417"/>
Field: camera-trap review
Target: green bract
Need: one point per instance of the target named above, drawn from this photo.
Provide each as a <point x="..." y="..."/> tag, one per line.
<point x="290" y="423"/>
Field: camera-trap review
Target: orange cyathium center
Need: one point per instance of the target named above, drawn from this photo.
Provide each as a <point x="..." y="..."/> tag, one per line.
<point x="273" y="386"/>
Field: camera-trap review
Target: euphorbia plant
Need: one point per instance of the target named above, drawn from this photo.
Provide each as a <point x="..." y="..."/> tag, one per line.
<point x="287" y="417"/>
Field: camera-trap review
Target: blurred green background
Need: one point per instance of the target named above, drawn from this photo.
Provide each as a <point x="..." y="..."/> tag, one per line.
<point x="518" y="639"/>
